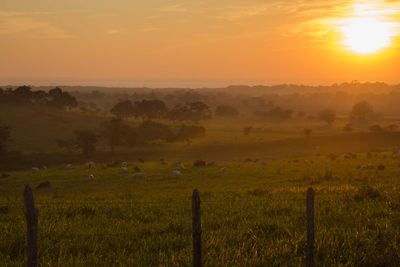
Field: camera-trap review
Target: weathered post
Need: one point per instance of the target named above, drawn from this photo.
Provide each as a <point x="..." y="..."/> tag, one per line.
<point x="310" y="228"/>
<point x="196" y="229"/>
<point x="32" y="226"/>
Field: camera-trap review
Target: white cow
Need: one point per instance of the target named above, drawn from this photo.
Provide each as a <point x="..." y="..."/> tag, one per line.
<point x="91" y="177"/>
<point x="35" y="169"/>
<point x="176" y="173"/>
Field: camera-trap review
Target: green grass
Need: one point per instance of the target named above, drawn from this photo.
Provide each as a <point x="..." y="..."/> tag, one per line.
<point x="252" y="215"/>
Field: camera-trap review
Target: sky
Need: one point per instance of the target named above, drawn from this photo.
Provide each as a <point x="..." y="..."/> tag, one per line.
<point x="198" y="42"/>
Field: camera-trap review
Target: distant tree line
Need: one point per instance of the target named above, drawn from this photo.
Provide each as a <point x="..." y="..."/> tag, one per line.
<point x="55" y="98"/>
<point x="157" y="109"/>
<point x="116" y="132"/>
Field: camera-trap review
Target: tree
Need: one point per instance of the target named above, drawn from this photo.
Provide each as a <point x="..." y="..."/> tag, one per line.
<point x="4" y="138"/>
<point x="194" y="111"/>
<point x="348" y="128"/>
<point x="123" y="109"/>
<point x="22" y="94"/>
<point x="150" y="109"/>
<point x="115" y="133"/>
<point x="327" y="115"/>
<point x="86" y="140"/>
<point x="149" y="131"/>
<point x="226" y="111"/>
<point x="60" y="99"/>
<point x="362" y="111"/>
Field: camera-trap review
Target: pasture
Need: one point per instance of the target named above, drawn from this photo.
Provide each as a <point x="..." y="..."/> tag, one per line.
<point x="252" y="214"/>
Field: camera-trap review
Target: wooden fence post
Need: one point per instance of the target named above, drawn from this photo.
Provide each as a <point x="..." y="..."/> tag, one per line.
<point x="310" y="228"/>
<point x="196" y="229"/>
<point x="32" y="226"/>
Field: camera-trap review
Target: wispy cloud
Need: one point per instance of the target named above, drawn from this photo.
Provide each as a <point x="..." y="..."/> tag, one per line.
<point x="173" y="8"/>
<point x="23" y="24"/>
<point x="115" y="31"/>
<point x="149" y="29"/>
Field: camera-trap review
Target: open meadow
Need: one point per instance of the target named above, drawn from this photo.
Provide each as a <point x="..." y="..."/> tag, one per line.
<point x="252" y="214"/>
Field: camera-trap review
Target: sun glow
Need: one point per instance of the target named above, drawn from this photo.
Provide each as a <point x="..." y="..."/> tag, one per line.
<point x="368" y="30"/>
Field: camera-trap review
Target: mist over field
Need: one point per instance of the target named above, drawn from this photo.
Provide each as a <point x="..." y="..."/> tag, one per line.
<point x="200" y="133"/>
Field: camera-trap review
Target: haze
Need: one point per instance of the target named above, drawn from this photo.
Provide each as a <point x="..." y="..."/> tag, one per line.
<point x="197" y="43"/>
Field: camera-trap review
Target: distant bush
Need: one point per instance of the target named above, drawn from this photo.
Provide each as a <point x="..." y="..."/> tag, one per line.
<point x="376" y="128"/>
<point x="348" y="128"/>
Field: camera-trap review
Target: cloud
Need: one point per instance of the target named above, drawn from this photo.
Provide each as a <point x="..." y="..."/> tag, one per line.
<point x="245" y="11"/>
<point x="115" y="31"/>
<point x="12" y="23"/>
<point x="173" y="8"/>
<point x="150" y="29"/>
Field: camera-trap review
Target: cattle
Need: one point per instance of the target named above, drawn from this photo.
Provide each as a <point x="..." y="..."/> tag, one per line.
<point x="124" y="169"/>
<point x="68" y="166"/>
<point x="124" y="164"/>
<point x="223" y="169"/>
<point x="176" y="173"/>
<point x="261" y="162"/>
<point x="91" y="177"/>
<point x="43" y="185"/>
<point x="140" y="175"/>
<point x="199" y="163"/>
<point x="34" y="169"/>
<point x="89" y="165"/>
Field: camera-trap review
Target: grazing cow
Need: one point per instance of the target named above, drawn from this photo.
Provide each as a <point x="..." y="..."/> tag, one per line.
<point x="124" y="169"/>
<point x="91" y="177"/>
<point x="176" y="173"/>
<point x="140" y="175"/>
<point x="44" y="167"/>
<point x="199" y="163"/>
<point x="223" y="169"/>
<point x="34" y="169"/>
<point x="43" y="185"/>
<point x="89" y="165"/>
<point x="212" y="163"/>
<point x="68" y="166"/>
<point x="124" y="164"/>
<point x="261" y="162"/>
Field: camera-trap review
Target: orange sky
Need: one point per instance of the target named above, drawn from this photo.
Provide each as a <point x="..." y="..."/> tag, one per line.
<point x="190" y="43"/>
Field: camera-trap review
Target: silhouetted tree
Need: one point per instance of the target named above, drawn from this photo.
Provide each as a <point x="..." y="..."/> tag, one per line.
<point x="123" y="109"/>
<point x="348" y="128"/>
<point x="115" y="133"/>
<point x="149" y="131"/>
<point x="362" y="111"/>
<point x="86" y="140"/>
<point x="150" y="109"/>
<point x="327" y="115"/>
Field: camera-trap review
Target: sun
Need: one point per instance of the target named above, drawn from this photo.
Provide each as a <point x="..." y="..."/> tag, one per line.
<point x="368" y="29"/>
<point x="367" y="35"/>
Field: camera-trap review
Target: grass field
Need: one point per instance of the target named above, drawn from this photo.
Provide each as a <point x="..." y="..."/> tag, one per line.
<point x="252" y="215"/>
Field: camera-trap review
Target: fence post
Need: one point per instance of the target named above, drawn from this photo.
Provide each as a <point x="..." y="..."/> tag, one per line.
<point x="196" y="229"/>
<point x="32" y="226"/>
<point x="310" y="228"/>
